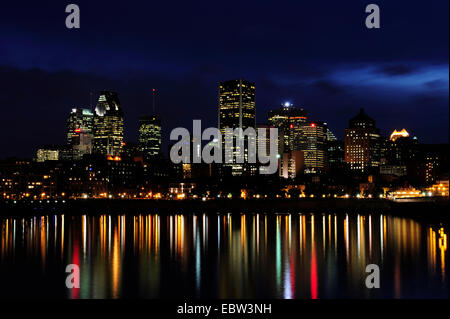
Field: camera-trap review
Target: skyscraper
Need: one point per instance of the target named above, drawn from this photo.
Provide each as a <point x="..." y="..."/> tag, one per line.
<point x="263" y="140"/>
<point x="398" y="154"/>
<point x="150" y="136"/>
<point x="108" y="125"/>
<point x="291" y="164"/>
<point x="400" y="149"/>
<point x="362" y="143"/>
<point x="237" y="110"/>
<point x="336" y="155"/>
<point x="433" y="163"/>
<point x="79" y="132"/>
<point x="289" y="121"/>
<point x="313" y="145"/>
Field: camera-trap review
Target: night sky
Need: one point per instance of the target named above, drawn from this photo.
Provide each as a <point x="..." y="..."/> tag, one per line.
<point x="316" y="54"/>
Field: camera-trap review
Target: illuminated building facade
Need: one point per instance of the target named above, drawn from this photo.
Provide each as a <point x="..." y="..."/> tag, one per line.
<point x="21" y="179"/>
<point x="432" y="163"/>
<point x="313" y="145"/>
<point x="263" y="139"/>
<point x="150" y="136"/>
<point x="362" y="143"/>
<point x="291" y="164"/>
<point x="289" y="121"/>
<point x="108" y="125"/>
<point x="398" y="134"/>
<point x="295" y="133"/>
<point x="48" y="153"/>
<point x="438" y="189"/>
<point x="237" y="110"/>
<point x="79" y="132"/>
<point x="393" y="170"/>
<point x="431" y="166"/>
<point x="181" y="190"/>
<point x="330" y="136"/>
<point x="99" y="176"/>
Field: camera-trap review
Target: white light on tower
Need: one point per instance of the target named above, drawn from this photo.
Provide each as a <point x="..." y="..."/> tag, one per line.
<point x="287" y="104"/>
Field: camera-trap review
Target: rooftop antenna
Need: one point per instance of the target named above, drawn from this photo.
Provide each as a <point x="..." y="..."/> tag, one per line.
<point x="90" y="99"/>
<point x="154" y="94"/>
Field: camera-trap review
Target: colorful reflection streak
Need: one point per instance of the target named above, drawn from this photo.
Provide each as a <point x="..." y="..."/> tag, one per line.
<point x="223" y="256"/>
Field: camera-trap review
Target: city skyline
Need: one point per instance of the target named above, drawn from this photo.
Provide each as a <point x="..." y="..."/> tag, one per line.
<point x="224" y="158"/>
<point x="270" y="119"/>
<point x="283" y="49"/>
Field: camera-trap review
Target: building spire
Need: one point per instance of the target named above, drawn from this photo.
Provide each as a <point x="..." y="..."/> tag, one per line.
<point x="154" y="95"/>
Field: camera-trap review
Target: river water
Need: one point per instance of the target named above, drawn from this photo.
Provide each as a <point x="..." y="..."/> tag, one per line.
<point x="286" y="255"/>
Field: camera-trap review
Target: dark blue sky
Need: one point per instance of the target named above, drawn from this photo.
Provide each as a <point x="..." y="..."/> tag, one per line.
<point x="317" y="54"/>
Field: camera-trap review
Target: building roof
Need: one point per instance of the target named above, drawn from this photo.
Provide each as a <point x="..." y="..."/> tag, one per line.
<point x="362" y="120"/>
<point x="107" y="101"/>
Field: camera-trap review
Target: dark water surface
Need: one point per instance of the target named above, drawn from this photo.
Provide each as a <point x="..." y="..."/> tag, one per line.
<point x="294" y="255"/>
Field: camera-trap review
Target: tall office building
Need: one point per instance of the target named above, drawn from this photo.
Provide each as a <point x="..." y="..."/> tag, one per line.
<point x="237" y="110"/>
<point x="313" y="145"/>
<point x="433" y="163"/>
<point x="362" y="143"/>
<point x="131" y="150"/>
<point x="263" y="139"/>
<point x="330" y="136"/>
<point x="400" y="149"/>
<point x="398" y="155"/>
<point x="289" y="121"/>
<point x="291" y="164"/>
<point x="336" y="155"/>
<point x="108" y="125"/>
<point x="150" y="136"/>
<point x="79" y="132"/>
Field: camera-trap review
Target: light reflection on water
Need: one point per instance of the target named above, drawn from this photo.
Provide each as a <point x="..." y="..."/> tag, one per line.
<point x="223" y="256"/>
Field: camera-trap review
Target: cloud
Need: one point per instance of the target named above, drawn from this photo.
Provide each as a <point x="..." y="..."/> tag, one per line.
<point x="436" y="84"/>
<point x="396" y="70"/>
<point x="328" y="87"/>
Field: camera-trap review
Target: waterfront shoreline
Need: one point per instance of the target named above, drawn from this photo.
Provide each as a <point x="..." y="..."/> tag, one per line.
<point x="434" y="208"/>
